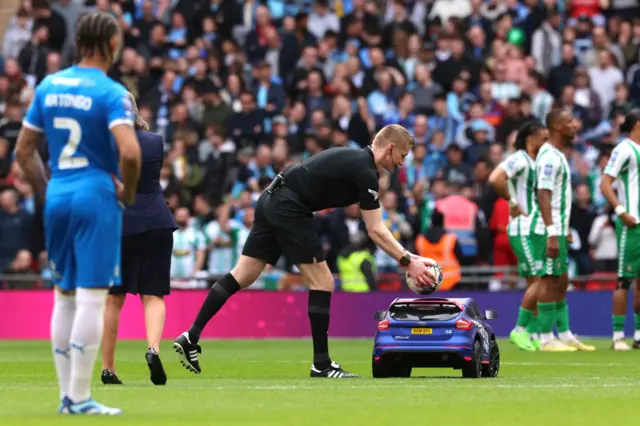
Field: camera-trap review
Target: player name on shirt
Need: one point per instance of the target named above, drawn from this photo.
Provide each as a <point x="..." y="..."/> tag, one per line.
<point x="67" y="100"/>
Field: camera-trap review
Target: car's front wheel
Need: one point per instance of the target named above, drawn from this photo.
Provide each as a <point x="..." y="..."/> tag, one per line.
<point x="473" y="368"/>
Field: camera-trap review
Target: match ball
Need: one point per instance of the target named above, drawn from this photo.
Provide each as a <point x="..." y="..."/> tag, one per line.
<point x="432" y="286"/>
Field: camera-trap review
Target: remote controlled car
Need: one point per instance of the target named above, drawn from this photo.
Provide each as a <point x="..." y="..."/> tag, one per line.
<point x="435" y="332"/>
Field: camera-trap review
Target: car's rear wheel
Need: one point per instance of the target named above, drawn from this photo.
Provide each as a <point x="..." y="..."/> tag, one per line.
<point x="386" y="369"/>
<point x="473" y="368"/>
<point x="492" y="369"/>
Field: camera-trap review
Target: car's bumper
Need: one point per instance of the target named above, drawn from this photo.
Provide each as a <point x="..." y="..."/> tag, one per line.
<point x="424" y="356"/>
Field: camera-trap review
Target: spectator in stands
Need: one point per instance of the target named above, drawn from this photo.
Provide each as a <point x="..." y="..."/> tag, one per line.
<point x="441" y="245"/>
<point x="17" y="35"/>
<point x="53" y="21"/>
<point x="15" y="228"/>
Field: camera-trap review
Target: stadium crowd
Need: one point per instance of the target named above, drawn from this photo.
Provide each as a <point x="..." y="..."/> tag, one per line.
<point x="239" y="90"/>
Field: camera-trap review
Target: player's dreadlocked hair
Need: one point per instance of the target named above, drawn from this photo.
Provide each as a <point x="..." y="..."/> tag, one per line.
<point x="528" y="129"/>
<point x="93" y="35"/>
<point x="139" y="122"/>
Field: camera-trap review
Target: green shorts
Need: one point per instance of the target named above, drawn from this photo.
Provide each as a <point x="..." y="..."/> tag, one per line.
<point x="628" y="250"/>
<point x="545" y="265"/>
<point x="523" y="249"/>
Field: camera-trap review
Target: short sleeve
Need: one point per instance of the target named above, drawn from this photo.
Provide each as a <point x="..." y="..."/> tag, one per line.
<point x="513" y="165"/>
<point x="118" y="107"/>
<point x="617" y="161"/>
<point x="367" y="182"/>
<point x="547" y="169"/>
<point x="200" y="243"/>
<point x="33" y="119"/>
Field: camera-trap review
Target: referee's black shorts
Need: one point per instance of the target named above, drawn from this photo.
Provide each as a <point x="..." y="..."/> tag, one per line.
<point x="146" y="263"/>
<point x="283" y="225"/>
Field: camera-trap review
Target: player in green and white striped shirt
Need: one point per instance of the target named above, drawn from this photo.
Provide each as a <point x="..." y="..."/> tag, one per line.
<point x="624" y="166"/>
<point x="514" y="180"/>
<point x="551" y="234"/>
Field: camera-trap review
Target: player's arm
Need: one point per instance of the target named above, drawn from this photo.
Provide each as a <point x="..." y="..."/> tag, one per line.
<point x="27" y="147"/>
<point x="611" y="172"/>
<point x="201" y="248"/>
<point x="547" y="170"/>
<point x="498" y="180"/>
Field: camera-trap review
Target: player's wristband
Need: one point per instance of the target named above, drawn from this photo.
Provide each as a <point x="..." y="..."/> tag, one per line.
<point x="552" y="231"/>
<point x="620" y="209"/>
<point x="513" y="203"/>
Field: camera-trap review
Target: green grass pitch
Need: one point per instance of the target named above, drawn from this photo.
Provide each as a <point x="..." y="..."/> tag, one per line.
<point x="267" y="383"/>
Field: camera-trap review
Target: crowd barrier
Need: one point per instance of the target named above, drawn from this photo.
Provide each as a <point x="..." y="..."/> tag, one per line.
<point x="25" y="314"/>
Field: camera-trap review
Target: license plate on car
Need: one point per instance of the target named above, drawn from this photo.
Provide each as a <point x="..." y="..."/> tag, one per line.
<point x="421" y="331"/>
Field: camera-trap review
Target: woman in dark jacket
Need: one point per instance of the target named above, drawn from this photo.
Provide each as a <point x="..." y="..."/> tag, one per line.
<point x="147" y="242"/>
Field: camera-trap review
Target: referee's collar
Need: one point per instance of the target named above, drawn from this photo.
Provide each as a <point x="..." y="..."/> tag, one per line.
<point x="370" y="152"/>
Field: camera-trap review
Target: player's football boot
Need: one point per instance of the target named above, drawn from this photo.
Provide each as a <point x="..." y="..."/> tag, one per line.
<point x="556" y="346"/>
<point x="188" y="353"/>
<point x="88" y="407"/>
<point x="110" y="378"/>
<point x="535" y="343"/>
<point x="158" y="376"/>
<point x="334" y="371"/>
<point x="573" y="342"/>
<point x="636" y="344"/>
<point x="522" y="340"/>
<point x="620" y="345"/>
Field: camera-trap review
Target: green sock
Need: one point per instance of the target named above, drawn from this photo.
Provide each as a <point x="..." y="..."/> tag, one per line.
<point x="618" y="322"/>
<point x="562" y="316"/>
<point x="546" y="316"/>
<point x="532" y="327"/>
<point x="524" y="316"/>
<point x="636" y="321"/>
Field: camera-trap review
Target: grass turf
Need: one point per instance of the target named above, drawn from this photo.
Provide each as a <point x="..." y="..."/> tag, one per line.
<point x="266" y="382"/>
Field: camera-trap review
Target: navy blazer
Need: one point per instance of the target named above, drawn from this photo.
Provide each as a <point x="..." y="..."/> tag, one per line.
<point x="150" y="210"/>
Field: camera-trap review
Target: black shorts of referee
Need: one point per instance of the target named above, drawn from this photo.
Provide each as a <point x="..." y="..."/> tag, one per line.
<point x="145" y="264"/>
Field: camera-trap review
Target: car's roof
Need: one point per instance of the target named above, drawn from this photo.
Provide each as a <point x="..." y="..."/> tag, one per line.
<point x="458" y="300"/>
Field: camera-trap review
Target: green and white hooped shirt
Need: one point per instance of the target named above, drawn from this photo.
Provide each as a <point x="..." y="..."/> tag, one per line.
<point x="521" y="183"/>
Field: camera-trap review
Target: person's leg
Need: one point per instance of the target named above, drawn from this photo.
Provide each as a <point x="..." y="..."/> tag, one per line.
<point x="529" y="302"/>
<point x="247" y="270"/>
<point x="98" y="223"/>
<point x="114" y="305"/>
<point x="60" y="248"/>
<point x="154" y="316"/>
<point x="523" y="252"/>
<point x="321" y="285"/>
<point x="561" y="268"/>
<point x="636" y="315"/>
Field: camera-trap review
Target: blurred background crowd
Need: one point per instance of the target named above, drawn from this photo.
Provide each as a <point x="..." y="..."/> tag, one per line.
<point x="241" y="89"/>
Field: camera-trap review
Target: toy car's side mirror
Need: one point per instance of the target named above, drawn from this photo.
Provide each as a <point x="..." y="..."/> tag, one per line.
<point x="490" y="315"/>
<point x="379" y="315"/>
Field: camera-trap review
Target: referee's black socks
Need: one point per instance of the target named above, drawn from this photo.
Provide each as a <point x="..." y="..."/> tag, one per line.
<point x="319" y="309"/>
<point x="221" y="291"/>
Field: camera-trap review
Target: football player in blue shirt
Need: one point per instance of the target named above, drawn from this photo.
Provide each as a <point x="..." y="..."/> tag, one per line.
<point x="87" y="119"/>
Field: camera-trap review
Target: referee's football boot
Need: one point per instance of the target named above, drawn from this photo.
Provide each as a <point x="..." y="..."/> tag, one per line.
<point x="110" y="378"/>
<point x="333" y="371"/>
<point x="188" y="352"/>
<point x="158" y="376"/>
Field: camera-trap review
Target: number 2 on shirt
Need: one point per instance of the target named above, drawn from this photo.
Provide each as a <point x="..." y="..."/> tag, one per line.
<point x="66" y="159"/>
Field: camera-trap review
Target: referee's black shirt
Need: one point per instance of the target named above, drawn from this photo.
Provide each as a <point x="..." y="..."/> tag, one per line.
<point x="337" y="177"/>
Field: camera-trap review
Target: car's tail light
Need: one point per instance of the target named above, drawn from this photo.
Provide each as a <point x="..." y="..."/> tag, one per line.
<point x="463" y="324"/>
<point x="383" y="325"/>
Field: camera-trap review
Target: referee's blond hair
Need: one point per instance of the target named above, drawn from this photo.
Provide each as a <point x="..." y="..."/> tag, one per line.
<point x="393" y="134"/>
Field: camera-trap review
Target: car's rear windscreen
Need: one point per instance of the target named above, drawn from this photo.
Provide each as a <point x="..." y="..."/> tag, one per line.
<point x="424" y="311"/>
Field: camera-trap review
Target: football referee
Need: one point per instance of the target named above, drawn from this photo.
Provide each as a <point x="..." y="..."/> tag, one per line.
<point x="336" y="177"/>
